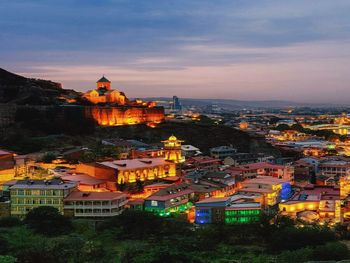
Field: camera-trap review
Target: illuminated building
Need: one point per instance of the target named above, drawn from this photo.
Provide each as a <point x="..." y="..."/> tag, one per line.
<point x="129" y="171"/>
<point x="94" y="204"/>
<point x="272" y="190"/>
<point x="29" y="194"/>
<point x="172" y="199"/>
<point x="172" y="150"/>
<point x="344" y="183"/>
<point x="285" y="172"/>
<point x="323" y="200"/>
<point x="236" y="209"/>
<point x="340" y="129"/>
<point x="119" y="109"/>
<point x="201" y="163"/>
<point x="85" y="182"/>
<point x="211" y="183"/>
<point x="7" y="166"/>
<point x="243" y="125"/>
<point x="104" y="94"/>
<point x="125" y="115"/>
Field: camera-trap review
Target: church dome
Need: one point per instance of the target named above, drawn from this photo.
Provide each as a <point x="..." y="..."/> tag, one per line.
<point x="172" y="138"/>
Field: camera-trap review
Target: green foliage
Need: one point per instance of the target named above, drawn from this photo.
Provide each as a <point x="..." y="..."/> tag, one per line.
<point x="10" y="222"/>
<point x="7" y="259"/>
<point x="296" y="238"/>
<point x="48" y="221"/>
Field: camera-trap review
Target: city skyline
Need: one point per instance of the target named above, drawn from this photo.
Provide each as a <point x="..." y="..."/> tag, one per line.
<point x="267" y="50"/>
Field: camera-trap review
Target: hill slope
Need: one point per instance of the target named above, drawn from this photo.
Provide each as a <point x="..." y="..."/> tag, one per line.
<point x="20" y="90"/>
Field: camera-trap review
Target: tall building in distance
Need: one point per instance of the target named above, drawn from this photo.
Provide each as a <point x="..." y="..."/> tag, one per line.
<point x="176" y="105"/>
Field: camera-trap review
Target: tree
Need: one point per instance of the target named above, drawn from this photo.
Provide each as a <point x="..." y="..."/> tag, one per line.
<point x="7" y="259"/>
<point x="10" y="222"/>
<point x="48" y="221"/>
<point x="48" y="157"/>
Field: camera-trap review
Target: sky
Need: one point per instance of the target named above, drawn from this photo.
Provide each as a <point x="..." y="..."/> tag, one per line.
<point x="297" y="50"/>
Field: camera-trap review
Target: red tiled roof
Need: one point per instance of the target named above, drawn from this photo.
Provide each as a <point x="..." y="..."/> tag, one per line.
<point x="83" y="179"/>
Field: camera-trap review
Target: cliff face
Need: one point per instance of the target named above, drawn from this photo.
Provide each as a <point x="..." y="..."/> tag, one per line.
<point x="16" y="89"/>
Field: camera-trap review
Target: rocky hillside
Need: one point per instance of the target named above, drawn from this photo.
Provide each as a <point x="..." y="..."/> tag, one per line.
<point x="16" y="89"/>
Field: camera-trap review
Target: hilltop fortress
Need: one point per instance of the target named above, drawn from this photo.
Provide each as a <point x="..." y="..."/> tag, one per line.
<point x="113" y="108"/>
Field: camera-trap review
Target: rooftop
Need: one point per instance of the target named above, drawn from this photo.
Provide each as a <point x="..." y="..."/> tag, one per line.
<point x="134" y="163"/>
<point x="103" y="79"/>
<point x="82" y="179"/>
<point x="94" y="196"/>
<point x="47" y="184"/>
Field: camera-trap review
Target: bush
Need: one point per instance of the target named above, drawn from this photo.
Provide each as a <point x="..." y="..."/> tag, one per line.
<point x="10" y="222"/>
<point x="48" y="221"/>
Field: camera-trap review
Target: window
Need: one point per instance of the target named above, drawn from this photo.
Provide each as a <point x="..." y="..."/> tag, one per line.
<point x="154" y="203"/>
<point x="35" y="192"/>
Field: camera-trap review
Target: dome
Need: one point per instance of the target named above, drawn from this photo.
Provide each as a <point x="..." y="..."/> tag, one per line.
<point x="172" y="138"/>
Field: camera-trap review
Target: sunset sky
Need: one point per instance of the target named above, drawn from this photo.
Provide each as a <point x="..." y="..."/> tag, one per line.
<point x="296" y="50"/>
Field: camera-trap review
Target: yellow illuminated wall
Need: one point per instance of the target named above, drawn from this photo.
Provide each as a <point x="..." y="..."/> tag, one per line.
<point x="172" y="150"/>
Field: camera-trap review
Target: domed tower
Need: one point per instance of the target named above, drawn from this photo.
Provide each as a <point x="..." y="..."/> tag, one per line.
<point x="172" y="149"/>
<point x="103" y="83"/>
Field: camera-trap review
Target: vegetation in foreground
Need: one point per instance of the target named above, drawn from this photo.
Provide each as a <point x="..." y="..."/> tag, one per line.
<point x="46" y="236"/>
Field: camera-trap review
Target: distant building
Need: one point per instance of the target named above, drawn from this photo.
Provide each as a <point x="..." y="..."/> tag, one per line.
<point x="29" y="194"/>
<point x="172" y="150"/>
<point x="176" y="198"/>
<point x="94" y="204"/>
<point x="115" y="109"/>
<point x="104" y="94"/>
<point x="129" y="171"/>
<point x="201" y="163"/>
<point x="190" y="150"/>
<point x="323" y="200"/>
<point x="333" y="168"/>
<point x="236" y="209"/>
<point x="222" y="152"/>
<point x="176" y="104"/>
<point x="273" y="190"/>
<point x="285" y="172"/>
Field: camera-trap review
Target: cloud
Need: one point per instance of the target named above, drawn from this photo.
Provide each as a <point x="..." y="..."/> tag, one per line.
<point x="237" y="49"/>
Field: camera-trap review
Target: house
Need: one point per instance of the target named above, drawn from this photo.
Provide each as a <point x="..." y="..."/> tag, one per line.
<point x="85" y="182"/>
<point x="236" y="209"/>
<point x="29" y="194"/>
<point x="172" y="199"/>
<point x="94" y="204"/>
<point x="323" y="200"/>
<point x="285" y="172"/>
<point x="273" y="190"/>
<point x="201" y="163"/>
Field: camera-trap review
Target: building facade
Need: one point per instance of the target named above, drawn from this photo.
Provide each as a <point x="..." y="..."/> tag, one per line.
<point x="29" y="194"/>
<point x="94" y="204"/>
